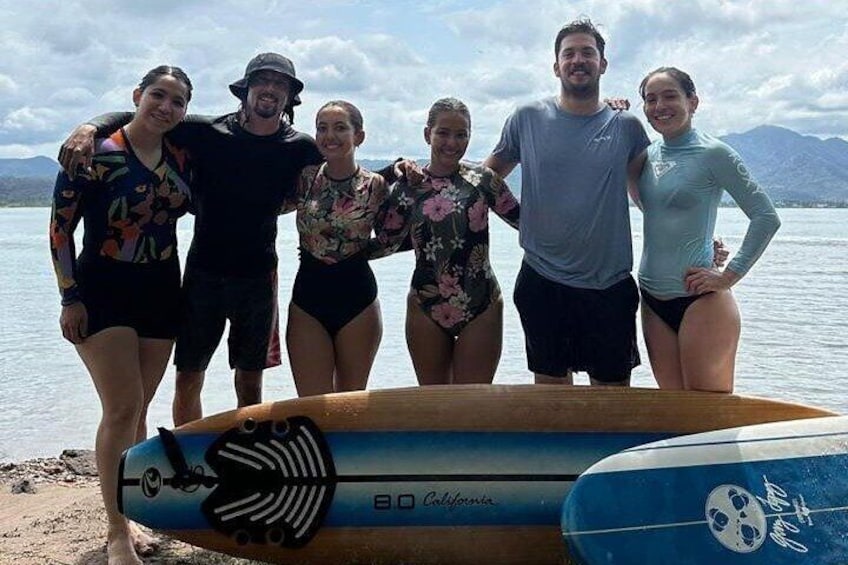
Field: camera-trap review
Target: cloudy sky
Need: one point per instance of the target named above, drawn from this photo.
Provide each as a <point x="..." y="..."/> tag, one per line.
<point x="781" y="62"/>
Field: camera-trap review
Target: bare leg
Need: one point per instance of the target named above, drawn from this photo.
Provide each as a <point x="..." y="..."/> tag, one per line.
<point x="623" y="382"/>
<point x="478" y="347"/>
<point x="542" y="379"/>
<point x="429" y="346"/>
<point x="153" y="357"/>
<point x="112" y="359"/>
<point x="310" y="353"/>
<point x="356" y="347"/>
<point x="248" y="387"/>
<point x="709" y="337"/>
<point x="663" y="350"/>
<point x="187" y="405"/>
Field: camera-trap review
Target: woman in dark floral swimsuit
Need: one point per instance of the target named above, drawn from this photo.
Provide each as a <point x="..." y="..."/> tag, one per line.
<point x="454" y="321"/>
<point x="121" y="296"/>
<point x="334" y="325"/>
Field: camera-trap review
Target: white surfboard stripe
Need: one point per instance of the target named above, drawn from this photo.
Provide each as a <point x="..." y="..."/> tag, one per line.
<point x="669" y="454"/>
<point x="645" y="527"/>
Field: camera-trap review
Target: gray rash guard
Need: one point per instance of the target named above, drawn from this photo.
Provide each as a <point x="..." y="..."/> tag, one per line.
<point x="575" y="223"/>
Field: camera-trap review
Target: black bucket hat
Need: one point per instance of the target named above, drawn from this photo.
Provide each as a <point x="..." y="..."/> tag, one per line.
<point x="269" y="62"/>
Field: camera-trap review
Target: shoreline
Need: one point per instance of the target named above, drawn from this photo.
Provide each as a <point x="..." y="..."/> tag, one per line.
<point x="51" y="512"/>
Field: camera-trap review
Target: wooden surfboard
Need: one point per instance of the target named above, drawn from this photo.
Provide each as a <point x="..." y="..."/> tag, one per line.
<point x="772" y="494"/>
<point x="443" y="474"/>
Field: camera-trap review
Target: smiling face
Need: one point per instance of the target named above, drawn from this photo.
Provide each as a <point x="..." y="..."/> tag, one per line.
<point x="162" y="104"/>
<point x="668" y="109"/>
<point x="336" y="134"/>
<point x="579" y="65"/>
<point x="267" y="95"/>
<point x="448" y="138"/>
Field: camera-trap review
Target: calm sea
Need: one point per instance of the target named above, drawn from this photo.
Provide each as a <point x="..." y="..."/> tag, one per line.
<point x="794" y="306"/>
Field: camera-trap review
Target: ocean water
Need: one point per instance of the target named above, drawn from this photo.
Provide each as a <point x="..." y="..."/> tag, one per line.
<point x="794" y="308"/>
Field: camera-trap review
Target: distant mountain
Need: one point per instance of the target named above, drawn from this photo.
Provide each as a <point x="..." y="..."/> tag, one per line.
<point x="794" y="167"/>
<point x="32" y="167"/>
<point x="27" y="182"/>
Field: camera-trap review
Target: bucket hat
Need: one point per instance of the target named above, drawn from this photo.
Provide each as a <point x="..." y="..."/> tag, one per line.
<point x="269" y="62"/>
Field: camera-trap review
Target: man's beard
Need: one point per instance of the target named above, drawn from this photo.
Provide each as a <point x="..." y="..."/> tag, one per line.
<point x="582" y="91"/>
<point x="265" y="113"/>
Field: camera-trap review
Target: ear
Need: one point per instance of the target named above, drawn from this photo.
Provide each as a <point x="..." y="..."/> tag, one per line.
<point x="136" y="97"/>
<point x="556" y="68"/>
<point x="427" y="135"/>
<point x="603" y="65"/>
<point x="693" y="103"/>
<point x="358" y="138"/>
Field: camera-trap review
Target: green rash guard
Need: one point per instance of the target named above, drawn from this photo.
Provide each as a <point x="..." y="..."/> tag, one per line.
<point x="680" y="189"/>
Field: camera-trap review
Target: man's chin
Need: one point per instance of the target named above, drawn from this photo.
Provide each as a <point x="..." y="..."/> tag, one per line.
<point x="266" y="114"/>
<point x="582" y="90"/>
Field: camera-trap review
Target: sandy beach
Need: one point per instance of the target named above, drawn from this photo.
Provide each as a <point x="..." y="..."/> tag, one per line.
<point x="51" y="513"/>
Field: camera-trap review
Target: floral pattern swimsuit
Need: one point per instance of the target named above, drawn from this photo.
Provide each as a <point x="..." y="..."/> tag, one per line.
<point x="130" y="211"/>
<point x="335" y="219"/>
<point x="447" y="220"/>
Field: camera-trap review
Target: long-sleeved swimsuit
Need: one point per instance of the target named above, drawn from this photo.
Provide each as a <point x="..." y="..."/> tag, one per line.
<point x="446" y="219"/>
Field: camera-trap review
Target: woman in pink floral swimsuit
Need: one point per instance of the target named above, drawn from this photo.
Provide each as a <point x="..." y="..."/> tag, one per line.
<point x="454" y="320"/>
<point x="334" y="325"/>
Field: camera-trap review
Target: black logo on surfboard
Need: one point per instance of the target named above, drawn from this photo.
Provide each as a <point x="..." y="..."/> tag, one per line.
<point x="275" y="482"/>
<point x="151" y="482"/>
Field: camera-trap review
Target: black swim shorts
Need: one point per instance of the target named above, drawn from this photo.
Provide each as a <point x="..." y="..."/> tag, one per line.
<point x="578" y="329"/>
<point x="250" y="305"/>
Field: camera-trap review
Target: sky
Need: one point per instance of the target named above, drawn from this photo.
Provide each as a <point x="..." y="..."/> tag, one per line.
<point x="776" y="62"/>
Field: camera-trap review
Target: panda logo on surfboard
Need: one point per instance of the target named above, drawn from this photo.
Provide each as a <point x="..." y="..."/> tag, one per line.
<point x="736" y="518"/>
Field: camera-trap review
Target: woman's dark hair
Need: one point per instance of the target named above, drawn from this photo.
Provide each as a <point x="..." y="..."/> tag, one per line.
<point x="352" y="111"/>
<point x="166" y="70"/>
<point x="447" y="105"/>
<point x="680" y="77"/>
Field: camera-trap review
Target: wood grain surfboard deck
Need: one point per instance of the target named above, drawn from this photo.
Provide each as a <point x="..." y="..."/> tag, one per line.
<point x="444" y="474"/>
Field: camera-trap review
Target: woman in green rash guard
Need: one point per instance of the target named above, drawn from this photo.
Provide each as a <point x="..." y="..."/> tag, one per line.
<point x="689" y="316"/>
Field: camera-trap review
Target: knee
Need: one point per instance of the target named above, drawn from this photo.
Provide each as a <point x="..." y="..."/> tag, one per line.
<point x="188" y="383"/>
<point x="124" y="412"/>
<point x="248" y="379"/>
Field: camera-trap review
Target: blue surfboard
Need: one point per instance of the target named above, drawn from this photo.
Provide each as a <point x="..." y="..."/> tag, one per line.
<point x="455" y="474"/>
<point x="772" y="493"/>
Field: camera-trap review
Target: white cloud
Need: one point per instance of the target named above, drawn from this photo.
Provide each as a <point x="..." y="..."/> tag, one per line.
<point x="30" y="119"/>
<point x="7" y="85"/>
<point x="779" y="62"/>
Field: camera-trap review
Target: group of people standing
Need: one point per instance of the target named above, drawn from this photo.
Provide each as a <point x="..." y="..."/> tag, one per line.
<point x="131" y="176"/>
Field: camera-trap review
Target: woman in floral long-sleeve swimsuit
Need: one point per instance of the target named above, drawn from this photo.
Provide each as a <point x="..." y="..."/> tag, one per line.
<point x="334" y="325"/>
<point x="121" y="296"/>
<point x="454" y="321"/>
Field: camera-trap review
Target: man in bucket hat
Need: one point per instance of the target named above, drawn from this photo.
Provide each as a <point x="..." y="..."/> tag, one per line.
<point x="246" y="163"/>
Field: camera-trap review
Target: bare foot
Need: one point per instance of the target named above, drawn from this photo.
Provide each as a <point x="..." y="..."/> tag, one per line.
<point x="144" y="543"/>
<point x="119" y="548"/>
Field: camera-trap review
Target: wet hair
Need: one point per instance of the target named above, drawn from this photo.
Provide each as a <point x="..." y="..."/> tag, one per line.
<point x="447" y="105"/>
<point x="166" y="70"/>
<point x="583" y="25"/>
<point x="353" y="113"/>
<point x="680" y="77"/>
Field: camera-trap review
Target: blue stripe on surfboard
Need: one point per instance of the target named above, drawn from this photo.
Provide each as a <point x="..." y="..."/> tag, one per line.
<point x="411" y="478"/>
<point x="661" y="515"/>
